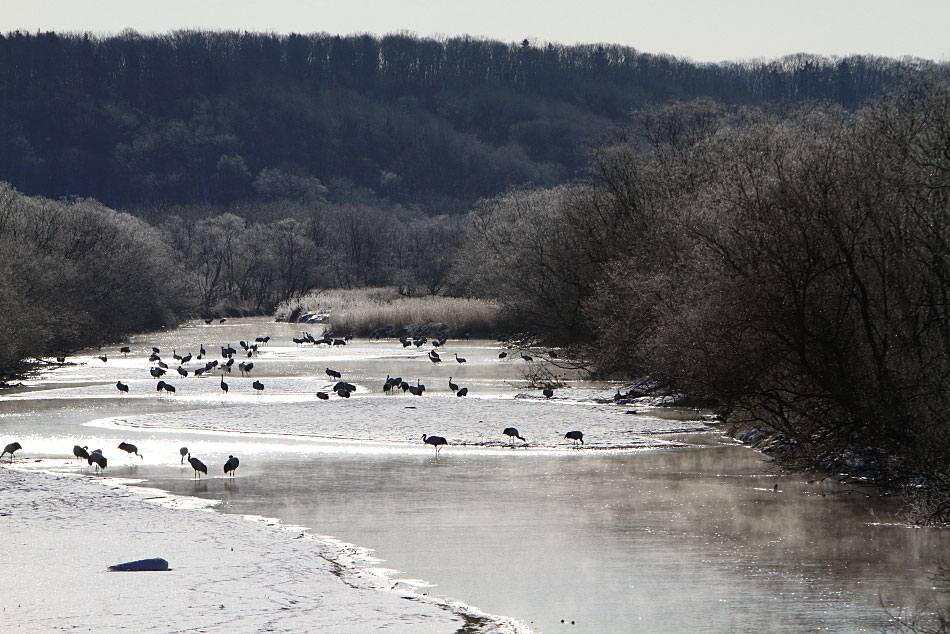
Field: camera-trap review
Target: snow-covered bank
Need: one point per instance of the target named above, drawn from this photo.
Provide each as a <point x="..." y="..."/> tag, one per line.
<point x="60" y="532"/>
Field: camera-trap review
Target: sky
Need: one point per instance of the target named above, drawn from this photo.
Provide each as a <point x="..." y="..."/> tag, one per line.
<point x="703" y="30"/>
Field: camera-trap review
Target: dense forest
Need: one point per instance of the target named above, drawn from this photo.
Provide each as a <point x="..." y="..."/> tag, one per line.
<point x="223" y="117"/>
<point x="794" y="270"/>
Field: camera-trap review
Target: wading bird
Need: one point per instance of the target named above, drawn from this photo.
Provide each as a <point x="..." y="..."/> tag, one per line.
<point x="459" y="359"/>
<point x="257" y="385"/>
<point x="527" y="357"/>
<point x="81" y="453"/>
<point x="182" y="371"/>
<point x="98" y="459"/>
<point x="323" y="396"/>
<point x="453" y="386"/>
<point x="435" y="441"/>
<point x="122" y="387"/>
<point x="125" y="350"/>
<point x="130" y="448"/>
<point x="224" y="386"/>
<point x="231" y="465"/>
<point x="104" y="358"/>
<point x="184" y="452"/>
<point x="9" y="449"/>
<point x="334" y="374"/>
<point x="575" y="436"/>
<point x="548" y="392"/>
<point x="513" y="433"/>
<point x="197" y="465"/>
<point x="462" y="392"/>
<point x="502" y="354"/>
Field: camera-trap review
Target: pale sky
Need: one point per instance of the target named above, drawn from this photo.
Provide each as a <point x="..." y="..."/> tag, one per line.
<point x="704" y="30"/>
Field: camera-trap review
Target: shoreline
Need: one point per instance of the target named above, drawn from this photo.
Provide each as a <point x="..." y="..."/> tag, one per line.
<point x="70" y="528"/>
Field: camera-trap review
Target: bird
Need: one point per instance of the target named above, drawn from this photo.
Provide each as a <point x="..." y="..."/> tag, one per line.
<point x="548" y="392"/>
<point x="122" y="387"/>
<point x="81" y="453"/>
<point x="434" y="357"/>
<point x="186" y="358"/>
<point x="224" y="386"/>
<point x="334" y="374"/>
<point x="462" y="392"/>
<point x="575" y="436"/>
<point x="175" y="355"/>
<point x="155" y="350"/>
<point x="323" y="396"/>
<point x="125" y="350"/>
<point x="435" y="441"/>
<point x="104" y="358"/>
<point x="453" y="386"/>
<point x="60" y="359"/>
<point x="9" y="449"/>
<point x="160" y="386"/>
<point x="513" y="433"/>
<point x="182" y="371"/>
<point x="257" y="385"/>
<point x="156" y="372"/>
<point x="130" y="448"/>
<point x="162" y="365"/>
<point x="100" y="461"/>
<point x="459" y="359"/>
<point x="527" y="357"/>
<point x="343" y="392"/>
<point x="169" y="388"/>
<point x="231" y="465"/>
<point x="388" y="385"/>
<point x="503" y="354"/>
<point x="197" y="465"/>
<point x="417" y="389"/>
<point x="202" y="350"/>
<point x="184" y="452"/>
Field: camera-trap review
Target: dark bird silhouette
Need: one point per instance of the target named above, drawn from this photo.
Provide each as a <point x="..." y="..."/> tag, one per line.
<point x="197" y="465"/>
<point x="81" y="453"/>
<point x="202" y="350"/>
<point x="60" y="359"/>
<point x="462" y="392"/>
<point x="323" y="396"/>
<point x="435" y="441"/>
<point x="417" y="389"/>
<point x="224" y="386"/>
<point x="185" y="359"/>
<point x="434" y="357"/>
<point x="334" y="374"/>
<point x="459" y="359"/>
<point x="98" y="459"/>
<point x="575" y="436"/>
<point x="156" y="372"/>
<point x="513" y="433"/>
<point x="184" y="452"/>
<point x="163" y="365"/>
<point x="122" y="387"/>
<point x="182" y="371"/>
<point x="130" y="448"/>
<point x="342" y="392"/>
<point x="175" y="355"/>
<point x="103" y="358"/>
<point x="257" y="385"/>
<point x="548" y="392"/>
<point x="527" y="357"/>
<point x="231" y="465"/>
<point x="9" y="449"/>
<point x="168" y="387"/>
<point x="453" y="386"/>
<point x="502" y="355"/>
<point x="152" y="358"/>
<point x="388" y="385"/>
<point x="208" y="321"/>
<point x="155" y="350"/>
<point x="160" y="386"/>
<point x="125" y="350"/>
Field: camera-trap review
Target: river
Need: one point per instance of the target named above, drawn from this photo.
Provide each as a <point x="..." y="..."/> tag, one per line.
<point x="657" y="524"/>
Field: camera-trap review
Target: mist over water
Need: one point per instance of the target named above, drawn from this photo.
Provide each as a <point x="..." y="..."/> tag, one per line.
<point x="643" y="530"/>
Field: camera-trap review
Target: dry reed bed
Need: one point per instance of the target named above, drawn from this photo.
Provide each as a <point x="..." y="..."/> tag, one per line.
<point x="365" y="311"/>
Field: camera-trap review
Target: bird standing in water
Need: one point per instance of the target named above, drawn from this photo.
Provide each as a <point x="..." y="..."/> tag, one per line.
<point x="435" y="441"/>
<point x="231" y="465"/>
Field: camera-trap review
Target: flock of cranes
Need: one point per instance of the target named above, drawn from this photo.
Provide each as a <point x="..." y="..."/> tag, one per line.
<point x="342" y="388"/>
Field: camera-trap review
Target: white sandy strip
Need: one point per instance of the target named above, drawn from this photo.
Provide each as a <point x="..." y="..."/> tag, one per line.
<point x="60" y="532"/>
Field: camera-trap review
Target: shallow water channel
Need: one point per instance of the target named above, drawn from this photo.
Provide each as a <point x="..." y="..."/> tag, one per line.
<point x="648" y="528"/>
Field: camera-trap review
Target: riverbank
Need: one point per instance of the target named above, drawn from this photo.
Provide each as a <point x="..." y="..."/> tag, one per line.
<point x="61" y="532"/>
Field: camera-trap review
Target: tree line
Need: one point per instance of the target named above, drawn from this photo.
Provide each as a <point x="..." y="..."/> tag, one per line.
<point x="78" y="274"/>
<point x="791" y="267"/>
<point x="196" y="117"/>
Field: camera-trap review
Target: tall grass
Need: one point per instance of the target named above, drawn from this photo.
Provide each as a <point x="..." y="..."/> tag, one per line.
<point x="367" y="310"/>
